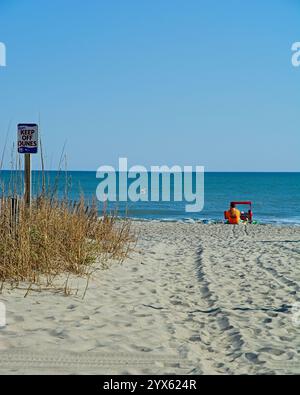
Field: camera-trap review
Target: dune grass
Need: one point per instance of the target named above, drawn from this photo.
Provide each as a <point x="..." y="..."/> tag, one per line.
<point x="54" y="238"/>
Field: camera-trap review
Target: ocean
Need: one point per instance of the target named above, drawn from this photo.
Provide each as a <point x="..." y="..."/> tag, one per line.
<point x="275" y="196"/>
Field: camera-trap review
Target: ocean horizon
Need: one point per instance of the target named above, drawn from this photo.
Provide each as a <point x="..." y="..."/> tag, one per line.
<point x="275" y="195"/>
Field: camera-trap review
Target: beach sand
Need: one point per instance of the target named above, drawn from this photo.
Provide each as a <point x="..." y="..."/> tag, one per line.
<point x="191" y="299"/>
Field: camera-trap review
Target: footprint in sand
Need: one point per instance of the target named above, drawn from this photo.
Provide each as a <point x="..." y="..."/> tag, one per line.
<point x="253" y="358"/>
<point x="59" y="332"/>
<point x="141" y="348"/>
<point x="272" y="351"/>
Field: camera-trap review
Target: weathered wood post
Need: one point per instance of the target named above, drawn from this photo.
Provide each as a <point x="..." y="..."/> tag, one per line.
<point x="28" y="187"/>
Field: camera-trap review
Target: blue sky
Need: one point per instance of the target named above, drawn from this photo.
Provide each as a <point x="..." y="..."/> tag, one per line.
<point x="186" y="82"/>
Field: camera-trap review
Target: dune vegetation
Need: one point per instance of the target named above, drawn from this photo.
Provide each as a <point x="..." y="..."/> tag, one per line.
<point x="55" y="237"/>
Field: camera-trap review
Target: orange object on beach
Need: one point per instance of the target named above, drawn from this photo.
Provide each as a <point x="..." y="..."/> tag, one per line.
<point x="233" y="215"/>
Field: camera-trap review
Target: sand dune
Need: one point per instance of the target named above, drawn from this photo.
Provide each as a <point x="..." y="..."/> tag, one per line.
<point x="192" y="299"/>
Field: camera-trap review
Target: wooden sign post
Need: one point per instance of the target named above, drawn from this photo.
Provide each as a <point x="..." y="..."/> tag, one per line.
<point x="27" y="145"/>
<point x="27" y="194"/>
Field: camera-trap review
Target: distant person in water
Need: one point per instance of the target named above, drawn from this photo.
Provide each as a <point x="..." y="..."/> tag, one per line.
<point x="233" y="215"/>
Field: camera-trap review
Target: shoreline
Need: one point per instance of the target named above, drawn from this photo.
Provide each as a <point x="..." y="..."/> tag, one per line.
<point x="210" y="222"/>
<point x="191" y="299"/>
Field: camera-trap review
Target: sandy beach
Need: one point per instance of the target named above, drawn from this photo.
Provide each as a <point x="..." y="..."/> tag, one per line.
<point x="191" y="299"/>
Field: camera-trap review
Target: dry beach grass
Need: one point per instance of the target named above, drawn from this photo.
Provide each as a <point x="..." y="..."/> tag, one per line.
<point x="54" y="238"/>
